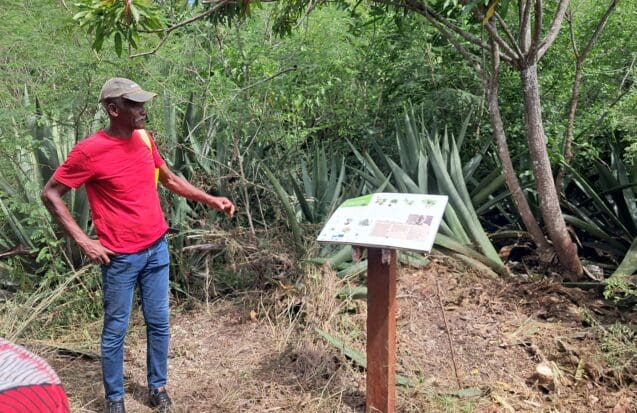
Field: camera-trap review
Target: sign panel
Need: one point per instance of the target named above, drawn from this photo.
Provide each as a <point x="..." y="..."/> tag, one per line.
<point x="387" y="220"/>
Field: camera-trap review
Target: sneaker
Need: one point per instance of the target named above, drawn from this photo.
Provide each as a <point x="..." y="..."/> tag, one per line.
<point x="115" y="406"/>
<point x="159" y="400"/>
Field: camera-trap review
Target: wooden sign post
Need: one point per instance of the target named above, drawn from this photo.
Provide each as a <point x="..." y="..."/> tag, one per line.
<point x="382" y="223"/>
<point x="381" y="331"/>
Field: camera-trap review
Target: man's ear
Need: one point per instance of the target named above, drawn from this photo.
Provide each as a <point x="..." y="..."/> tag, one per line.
<point x="112" y="110"/>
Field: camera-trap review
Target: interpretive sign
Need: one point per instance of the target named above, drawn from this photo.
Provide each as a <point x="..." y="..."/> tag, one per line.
<point x="387" y="220"/>
<point x="383" y="223"/>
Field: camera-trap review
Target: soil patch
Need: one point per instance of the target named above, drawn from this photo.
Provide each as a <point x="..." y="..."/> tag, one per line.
<point x="260" y="353"/>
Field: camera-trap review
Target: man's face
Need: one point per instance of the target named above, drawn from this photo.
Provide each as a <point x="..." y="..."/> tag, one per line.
<point x="128" y="113"/>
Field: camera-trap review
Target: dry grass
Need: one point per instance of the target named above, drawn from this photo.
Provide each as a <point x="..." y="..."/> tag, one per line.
<point x="258" y="352"/>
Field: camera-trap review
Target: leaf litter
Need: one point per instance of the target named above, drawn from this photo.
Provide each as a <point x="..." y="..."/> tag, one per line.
<point x="517" y="346"/>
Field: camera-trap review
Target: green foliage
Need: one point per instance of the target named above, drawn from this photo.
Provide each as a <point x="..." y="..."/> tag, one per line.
<point x="28" y="169"/>
<point x="603" y="204"/>
<point x="51" y="60"/>
<point x="430" y="164"/>
<point x="318" y="194"/>
<point x="196" y="147"/>
<point x="607" y="97"/>
<point x="341" y="73"/>
<point x="230" y="12"/>
<point x="622" y="288"/>
<point x="283" y="197"/>
<point x="122" y="20"/>
<point x="321" y="190"/>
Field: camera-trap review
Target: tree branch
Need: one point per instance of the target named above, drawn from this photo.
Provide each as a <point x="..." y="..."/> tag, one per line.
<point x="432" y="15"/>
<point x="159" y="45"/>
<point x="258" y="82"/>
<point x="625" y="89"/>
<point x="471" y="59"/>
<point x="525" y="20"/>
<point x="537" y="30"/>
<point x="208" y="12"/>
<point x="168" y="30"/>
<point x="495" y="59"/>
<point x="555" y="29"/>
<point x="598" y="31"/>
<point x="509" y="34"/>
<point x="499" y="134"/>
<point x="575" y="92"/>
<point x="571" y="31"/>
<point x="508" y="51"/>
<point x="17" y="250"/>
<point x="447" y="29"/>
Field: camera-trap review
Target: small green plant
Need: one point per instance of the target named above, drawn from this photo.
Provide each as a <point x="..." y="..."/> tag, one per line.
<point x="622" y="288"/>
<point x="619" y="350"/>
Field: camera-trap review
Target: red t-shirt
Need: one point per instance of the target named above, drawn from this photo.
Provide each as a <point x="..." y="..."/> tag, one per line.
<point x="119" y="175"/>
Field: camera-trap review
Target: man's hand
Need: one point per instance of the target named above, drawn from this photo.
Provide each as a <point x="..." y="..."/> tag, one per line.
<point x="96" y="252"/>
<point x="52" y="197"/>
<point x="222" y="204"/>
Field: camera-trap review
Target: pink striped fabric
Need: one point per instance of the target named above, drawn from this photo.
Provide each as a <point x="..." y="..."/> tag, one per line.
<point x="27" y="383"/>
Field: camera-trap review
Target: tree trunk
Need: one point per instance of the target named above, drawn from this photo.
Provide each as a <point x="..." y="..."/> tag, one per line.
<point x="541" y="166"/>
<point x="511" y="178"/>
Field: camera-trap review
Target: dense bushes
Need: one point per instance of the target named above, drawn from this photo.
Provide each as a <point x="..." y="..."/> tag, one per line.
<point x="234" y="98"/>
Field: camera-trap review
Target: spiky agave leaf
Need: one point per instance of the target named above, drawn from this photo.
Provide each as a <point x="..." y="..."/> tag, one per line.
<point x="430" y="163"/>
<point x="287" y="208"/>
<point x="321" y="190"/>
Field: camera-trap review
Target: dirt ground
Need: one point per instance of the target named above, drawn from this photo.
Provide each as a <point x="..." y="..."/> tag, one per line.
<point x="259" y="352"/>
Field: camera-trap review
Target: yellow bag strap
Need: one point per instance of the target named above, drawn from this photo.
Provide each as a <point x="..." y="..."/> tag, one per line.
<point x="144" y="135"/>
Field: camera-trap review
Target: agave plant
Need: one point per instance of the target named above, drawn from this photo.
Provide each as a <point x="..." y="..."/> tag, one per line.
<point x="203" y="146"/>
<point x="192" y="151"/>
<point x="285" y="199"/>
<point x="29" y="169"/>
<point x="604" y="207"/>
<point x="317" y="195"/>
<point x="206" y="150"/>
<point x="321" y="188"/>
<point x="430" y="164"/>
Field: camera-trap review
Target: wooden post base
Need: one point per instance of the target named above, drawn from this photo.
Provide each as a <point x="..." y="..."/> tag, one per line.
<point x="381" y="331"/>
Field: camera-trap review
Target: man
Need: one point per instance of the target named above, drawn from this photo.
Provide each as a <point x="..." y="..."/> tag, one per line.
<point x="118" y="165"/>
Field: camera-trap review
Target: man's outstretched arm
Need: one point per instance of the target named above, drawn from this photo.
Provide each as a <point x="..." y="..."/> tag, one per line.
<point x="180" y="186"/>
<point x="52" y="198"/>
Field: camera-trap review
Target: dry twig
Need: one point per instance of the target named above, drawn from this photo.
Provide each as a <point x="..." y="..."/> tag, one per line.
<point x="444" y="319"/>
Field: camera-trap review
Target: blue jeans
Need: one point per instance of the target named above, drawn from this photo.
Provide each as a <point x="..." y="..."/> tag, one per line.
<point x="149" y="270"/>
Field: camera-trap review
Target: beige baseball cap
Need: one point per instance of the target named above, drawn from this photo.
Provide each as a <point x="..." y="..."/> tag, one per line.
<point x="125" y="88"/>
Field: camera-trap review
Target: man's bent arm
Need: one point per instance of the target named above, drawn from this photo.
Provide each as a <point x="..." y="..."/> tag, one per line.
<point x="52" y="198"/>
<point x="180" y="186"/>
